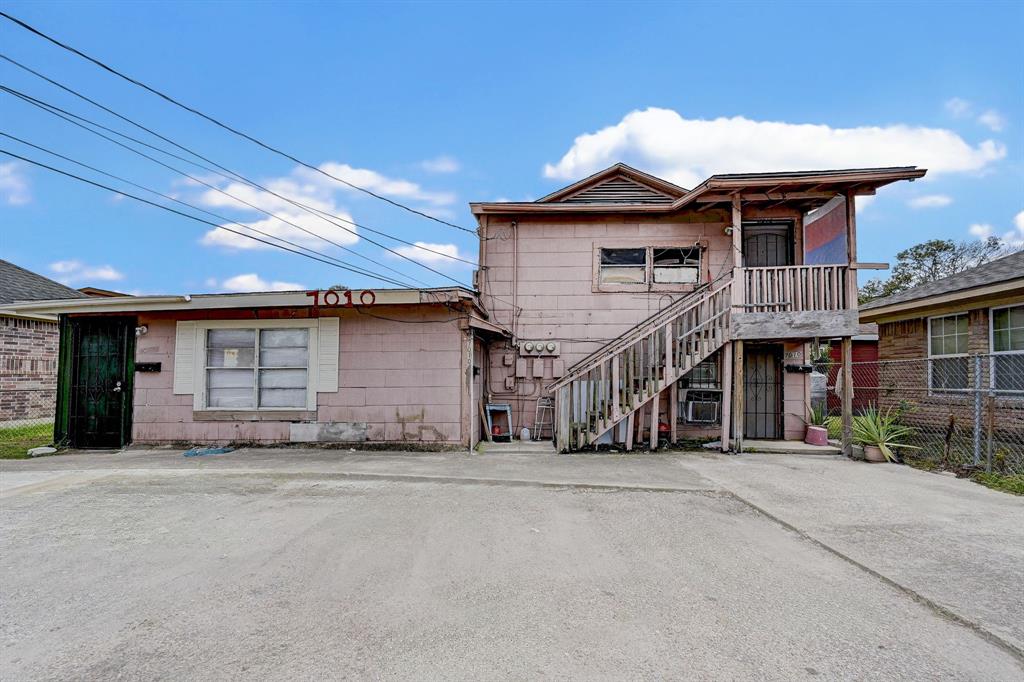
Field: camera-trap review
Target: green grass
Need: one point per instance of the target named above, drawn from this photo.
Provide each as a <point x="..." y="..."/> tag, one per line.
<point x="16" y="440"/>
<point x="1007" y="483"/>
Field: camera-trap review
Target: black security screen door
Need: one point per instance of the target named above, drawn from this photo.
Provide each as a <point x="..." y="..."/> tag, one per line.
<point x="767" y="246"/>
<point x="762" y="392"/>
<point x="102" y="368"/>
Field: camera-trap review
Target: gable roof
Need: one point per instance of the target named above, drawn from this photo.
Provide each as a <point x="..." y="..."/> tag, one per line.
<point x="1008" y="270"/>
<point x="806" y="189"/>
<point x="19" y="284"/>
<point x="618" y="184"/>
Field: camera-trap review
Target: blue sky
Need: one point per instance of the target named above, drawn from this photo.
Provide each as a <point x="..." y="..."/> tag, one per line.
<point x="440" y="104"/>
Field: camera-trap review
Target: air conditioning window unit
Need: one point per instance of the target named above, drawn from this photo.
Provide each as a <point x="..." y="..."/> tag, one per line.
<point x="702" y="411"/>
<point x="705" y="374"/>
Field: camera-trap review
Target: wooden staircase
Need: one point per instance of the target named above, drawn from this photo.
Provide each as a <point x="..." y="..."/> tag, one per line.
<point x="614" y="382"/>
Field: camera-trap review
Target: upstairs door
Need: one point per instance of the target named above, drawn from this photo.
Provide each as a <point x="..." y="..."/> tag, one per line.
<point x="101" y="373"/>
<point x="767" y="245"/>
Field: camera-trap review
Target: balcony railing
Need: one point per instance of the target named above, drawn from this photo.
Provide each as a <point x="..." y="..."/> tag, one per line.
<point x="796" y="288"/>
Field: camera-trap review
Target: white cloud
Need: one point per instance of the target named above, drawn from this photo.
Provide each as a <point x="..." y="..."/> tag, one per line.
<point x="930" y="201"/>
<point x="686" y="151"/>
<point x="1014" y="236"/>
<point x="74" y="271"/>
<point x="441" y="164"/>
<point x="375" y="182"/>
<point x="253" y="282"/>
<point x="418" y="254"/>
<point x="14" y="190"/>
<point x="992" y="120"/>
<point x="958" y="107"/>
<point x="981" y="230"/>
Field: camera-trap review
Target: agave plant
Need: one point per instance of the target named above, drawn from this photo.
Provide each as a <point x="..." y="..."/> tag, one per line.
<point x="819" y="415"/>
<point x="883" y="430"/>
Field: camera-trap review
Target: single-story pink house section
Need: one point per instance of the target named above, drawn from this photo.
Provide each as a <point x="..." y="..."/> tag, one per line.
<point x="388" y="367"/>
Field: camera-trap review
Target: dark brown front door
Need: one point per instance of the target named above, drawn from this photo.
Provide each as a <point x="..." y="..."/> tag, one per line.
<point x="101" y="373"/>
<point x="762" y="391"/>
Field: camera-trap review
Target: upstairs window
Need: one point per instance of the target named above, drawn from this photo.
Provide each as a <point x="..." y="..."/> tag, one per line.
<point x="1008" y="350"/>
<point x="623" y="266"/>
<point x="947" y="353"/>
<point x="677" y="266"/>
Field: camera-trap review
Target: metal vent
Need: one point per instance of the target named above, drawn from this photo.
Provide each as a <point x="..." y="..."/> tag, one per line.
<point x="618" y="191"/>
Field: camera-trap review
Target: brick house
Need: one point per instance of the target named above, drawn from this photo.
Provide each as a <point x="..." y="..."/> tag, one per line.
<point x="948" y="340"/>
<point x="28" y="345"/>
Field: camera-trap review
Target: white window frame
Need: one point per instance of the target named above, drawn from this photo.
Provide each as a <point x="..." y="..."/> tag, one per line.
<point x="312" y="370"/>
<point x="648" y="276"/>
<point x="700" y="264"/>
<point x="993" y="352"/>
<point x="649" y="247"/>
<point x="944" y="356"/>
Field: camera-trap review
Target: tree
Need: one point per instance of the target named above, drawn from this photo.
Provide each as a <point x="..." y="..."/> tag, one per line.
<point x="932" y="260"/>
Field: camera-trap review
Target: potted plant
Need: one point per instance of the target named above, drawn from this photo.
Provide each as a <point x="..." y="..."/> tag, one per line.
<point x="817" y="428"/>
<point x="880" y="433"/>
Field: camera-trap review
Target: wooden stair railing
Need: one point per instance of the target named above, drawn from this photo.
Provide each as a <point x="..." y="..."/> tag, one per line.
<point x="614" y="382"/>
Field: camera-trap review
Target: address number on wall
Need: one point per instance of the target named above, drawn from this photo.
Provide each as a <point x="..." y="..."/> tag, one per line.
<point x="343" y="299"/>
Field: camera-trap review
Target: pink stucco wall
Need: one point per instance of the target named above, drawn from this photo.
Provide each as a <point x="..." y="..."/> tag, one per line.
<point x="546" y="264"/>
<point x="404" y="376"/>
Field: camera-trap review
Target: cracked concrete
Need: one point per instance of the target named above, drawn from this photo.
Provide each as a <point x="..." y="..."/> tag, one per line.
<point x="299" y="564"/>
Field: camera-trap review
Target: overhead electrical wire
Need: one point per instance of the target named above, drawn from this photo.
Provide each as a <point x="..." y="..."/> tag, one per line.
<point x="223" y="125"/>
<point x="66" y="116"/>
<point x="168" y="197"/>
<point x="233" y="174"/>
<point x="185" y="215"/>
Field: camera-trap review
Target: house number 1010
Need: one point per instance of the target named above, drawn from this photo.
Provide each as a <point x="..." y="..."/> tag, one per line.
<point x="333" y="298"/>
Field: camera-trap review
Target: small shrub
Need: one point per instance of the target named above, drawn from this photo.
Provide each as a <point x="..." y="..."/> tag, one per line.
<point x="1007" y="483"/>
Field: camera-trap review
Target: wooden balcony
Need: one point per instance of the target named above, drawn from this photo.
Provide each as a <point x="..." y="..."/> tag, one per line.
<point x="795" y="301"/>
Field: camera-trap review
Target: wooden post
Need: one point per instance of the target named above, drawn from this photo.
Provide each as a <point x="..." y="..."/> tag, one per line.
<point x="851" y="250"/>
<point x="629" y="431"/>
<point x="737" y="397"/>
<point x="616" y="391"/>
<point x="847" y="358"/>
<point x="673" y="411"/>
<point x="654" y="420"/>
<point x="726" y="394"/>
<point x="737" y="237"/>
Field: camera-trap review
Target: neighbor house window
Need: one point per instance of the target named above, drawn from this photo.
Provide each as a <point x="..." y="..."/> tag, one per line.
<point x="677" y="266"/>
<point x="257" y="368"/>
<point x="623" y="266"/>
<point x="1008" y="350"/>
<point x="947" y="353"/>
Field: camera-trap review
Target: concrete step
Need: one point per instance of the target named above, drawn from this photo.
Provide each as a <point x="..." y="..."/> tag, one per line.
<point x="518" y="447"/>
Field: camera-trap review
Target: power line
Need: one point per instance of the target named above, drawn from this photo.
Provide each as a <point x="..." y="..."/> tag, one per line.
<point x="58" y="112"/>
<point x="361" y="271"/>
<point x="234" y="175"/>
<point x="181" y="213"/>
<point x="225" y="126"/>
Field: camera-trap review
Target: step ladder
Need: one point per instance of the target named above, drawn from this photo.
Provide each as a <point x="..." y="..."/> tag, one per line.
<point x="543" y="418"/>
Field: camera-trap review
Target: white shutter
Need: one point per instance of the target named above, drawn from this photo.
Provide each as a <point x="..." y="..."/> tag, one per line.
<point x="327" y="355"/>
<point x="185" y="358"/>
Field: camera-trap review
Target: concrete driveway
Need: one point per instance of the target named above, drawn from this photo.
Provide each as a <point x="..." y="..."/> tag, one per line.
<point x="283" y="564"/>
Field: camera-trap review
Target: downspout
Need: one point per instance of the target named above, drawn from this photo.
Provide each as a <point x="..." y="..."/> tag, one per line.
<point x="472" y="400"/>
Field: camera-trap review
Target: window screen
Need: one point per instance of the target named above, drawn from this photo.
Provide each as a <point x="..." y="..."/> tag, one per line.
<point x="677" y="266"/>
<point x="250" y="368"/>
<point x="623" y="266"/>
<point x="1008" y="349"/>
<point x="947" y="348"/>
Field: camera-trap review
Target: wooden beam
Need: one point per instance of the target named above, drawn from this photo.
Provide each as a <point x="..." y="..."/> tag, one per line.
<point x="851" y="249"/>
<point x="726" y="361"/>
<point x="766" y="196"/>
<point x="737" y="396"/>
<point x="870" y="266"/>
<point x="673" y="411"/>
<point x="654" y="420"/>
<point x="737" y="229"/>
<point x="847" y="389"/>
<point x="629" y="431"/>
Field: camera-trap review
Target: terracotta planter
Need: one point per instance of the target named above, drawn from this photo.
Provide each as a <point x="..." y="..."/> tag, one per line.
<point x="816" y="435"/>
<point x="873" y="453"/>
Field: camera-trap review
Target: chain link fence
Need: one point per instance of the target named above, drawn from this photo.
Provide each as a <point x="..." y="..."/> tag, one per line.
<point x="26" y="417"/>
<point x="963" y="412"/>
